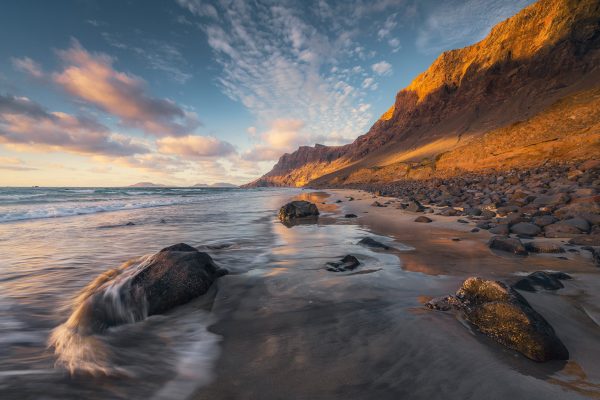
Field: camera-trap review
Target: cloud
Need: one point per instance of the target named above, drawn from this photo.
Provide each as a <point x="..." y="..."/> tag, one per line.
<point x="14" y="164"/>
<point x="394" y="43"/>
<point x="382" y="68"/>
<point x="26" y="125"/>
<point x="283" y="136"/>
<point x="195" y="146"/>
<point x="282" y="61"/>
<point x="451" y="24"/>
<point x="389" y="24"/>
<point x="369" y="83"/>
<point x="199" y="8"/>
<point x="28" y="66"/>
<point x="92" y="78"/>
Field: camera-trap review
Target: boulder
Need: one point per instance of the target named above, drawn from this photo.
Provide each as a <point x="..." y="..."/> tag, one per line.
<point x="552" y="200"/>
<point x="561" y="230"/>
<point x="414" y="206"/>
<point x="370" y="242"/>
<point x="347" y="263"/>
<point x="544" y="220"/>
<point x="350" y="216"/>
<point x="501" y="313"/>
<point x="525" y="228"/>
<point x="544" y="247"/>
<point x="172" y="277"/>
<point x="508" y="244"/>
<point x="297" y="210"/>
<point x="543" y="280"/>
<point x="501" y="229"/>
<point x="579" y="223"/>
<point x="423" y="219"/>
<point x="586" y="240"/>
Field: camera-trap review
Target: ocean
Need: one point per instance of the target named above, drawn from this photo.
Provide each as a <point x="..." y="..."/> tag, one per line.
<point x="278" y="326"/>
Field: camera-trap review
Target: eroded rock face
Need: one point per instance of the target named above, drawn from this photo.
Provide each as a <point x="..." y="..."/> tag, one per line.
<point x="501" y="313"/>
<point x="298" y="210"/>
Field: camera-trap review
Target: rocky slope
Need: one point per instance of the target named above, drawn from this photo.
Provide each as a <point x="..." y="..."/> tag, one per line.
<point x="529" y="92"/>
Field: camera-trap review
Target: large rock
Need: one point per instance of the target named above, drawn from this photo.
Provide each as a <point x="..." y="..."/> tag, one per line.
<point x="543" y="280"/>
<point x="347" y="263"/>
<point x="586" y="240"/>
<point x="172" y="277"/>
<point x="508" y="244"/>
<point x="501" y="313"/>
<point x="561" y="230"/>
<point x="544" y="247"/>
<point x="298" y="210"/>
<point x="525" y="228"/>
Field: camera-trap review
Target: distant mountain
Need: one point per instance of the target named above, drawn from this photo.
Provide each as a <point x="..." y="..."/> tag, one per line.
<point x="216" y="185"/>
<point x="526" y="94"/>
<point x="146" y="184"/>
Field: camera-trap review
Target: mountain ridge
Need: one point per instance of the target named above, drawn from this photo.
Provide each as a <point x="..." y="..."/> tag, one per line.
<point x="528" y="65"/>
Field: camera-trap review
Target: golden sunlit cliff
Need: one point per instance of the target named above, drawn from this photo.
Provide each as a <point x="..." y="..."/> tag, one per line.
<point x="526" y="94"/>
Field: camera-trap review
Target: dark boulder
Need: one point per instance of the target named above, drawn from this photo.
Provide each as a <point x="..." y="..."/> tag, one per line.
<point x="414" y="206"/>
<point x="501" y="313"/>
<point x="350" y="216"/>
<point x="525" y="228"/>
<point x="544" y="220"/>
<point x="370" y="242"/>
<point x="541" y="279"/>
<point x="298" y="210"/>
<point x="348" y="263"/>
<point x="586" y="240"/>
<point x="501" y="229"/>
<point x="423" y="219"/>
<point x="544" y="247"/>
<point x="510" y="245"/>
<point x="561" y="230"/>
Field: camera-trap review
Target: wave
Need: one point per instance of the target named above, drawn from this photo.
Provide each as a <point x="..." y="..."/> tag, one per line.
<point x="78" y="208"/>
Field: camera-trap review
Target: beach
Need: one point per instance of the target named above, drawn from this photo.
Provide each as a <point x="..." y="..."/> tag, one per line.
<point x="281" y="325"/>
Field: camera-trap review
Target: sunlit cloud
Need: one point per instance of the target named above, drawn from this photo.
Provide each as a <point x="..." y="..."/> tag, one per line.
<point x="91" y="77"/>
<point x="26" y="125"/>
<point x="194" y="146"/>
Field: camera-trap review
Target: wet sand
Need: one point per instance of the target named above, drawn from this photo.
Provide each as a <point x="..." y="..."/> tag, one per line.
<point x="293" y="330"/>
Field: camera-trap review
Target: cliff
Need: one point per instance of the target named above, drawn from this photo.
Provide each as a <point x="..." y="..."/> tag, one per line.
<point x="525" y="94"/>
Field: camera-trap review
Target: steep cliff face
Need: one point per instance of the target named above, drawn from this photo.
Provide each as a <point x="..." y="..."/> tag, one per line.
<point x="529" y="65"/>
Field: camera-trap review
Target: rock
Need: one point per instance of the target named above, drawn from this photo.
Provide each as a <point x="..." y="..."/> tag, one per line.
<point x="348" y="263"/>
<point x="129" y="224"/>
<point x="414" y="206"/>
<point x="462" y="221"/>
<point x="162" y="221"/>
<point x="586" y="240"/>
<point x="590" y="165"/>
<point x="544" y="220"/>
<point x="370" y="242"/>
<point x="544" y="247"/>
<point x="504" y="211"/>
<point x="595" y="254"/>
<point x="297" y="210"/>
<point x="474" y="230"/>
<point x="338" y="201"/>
<point x="449" y="212"/>
<point x="501" y="313"/>
<point x="588" y="210"/>
<point x="487" y="214"/>
<point x="350" y="216"/>
<point x="541" y="279"/>
<point x="560" y="229"/>
<point x="484" y="225"/>
<point x="172" y="277"/>
<point x="377" y="204"/>
<point x="578" y="223"/>
<point x="423" y="219"/>
<point x="501" y="229"/>
<point x="551" y="200"/>
<point x="525" y="228"/>
<point x="510" y="245"/>
<point x="473" y="211"/>
<point x="455" y="239"/>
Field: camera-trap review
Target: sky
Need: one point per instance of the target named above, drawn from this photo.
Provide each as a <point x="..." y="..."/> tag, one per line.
<point x="180" y="92"/>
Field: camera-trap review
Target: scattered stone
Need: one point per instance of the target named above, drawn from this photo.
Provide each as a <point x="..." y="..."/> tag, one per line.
<point x="501" y="229"/>
<point x="423" y="219"/>
<point x="347" y="263"/>
<point x="544" y="247"/>
<point x="542" y="279"/>
<point x="508" y="244"/>
<point x="370" y="242"/>
<point x="501" y="313"/>
<point x="525" y="228"/>
<point x="298" y="210"/>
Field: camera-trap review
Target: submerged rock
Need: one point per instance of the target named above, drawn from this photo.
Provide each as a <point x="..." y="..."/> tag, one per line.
<point x="423" y="219"/>
<point x="348" y="263"/>
<point x="510" y="245"/>
<point x="152" y="285"/>
<point x="370" y="242"/>
<point x="501" y="313"/>
<point x="541" y="279"/>
<point x="298" y="210"/>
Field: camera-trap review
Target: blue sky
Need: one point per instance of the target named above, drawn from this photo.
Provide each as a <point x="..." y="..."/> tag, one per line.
<point x="186" y="91"/>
